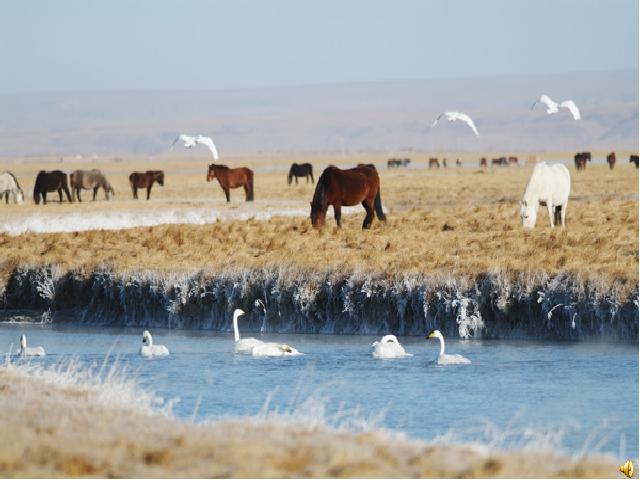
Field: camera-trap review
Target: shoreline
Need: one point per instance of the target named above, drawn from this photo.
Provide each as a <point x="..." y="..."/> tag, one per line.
<point x="495" y="305"/>
<point x="64" y="427"/>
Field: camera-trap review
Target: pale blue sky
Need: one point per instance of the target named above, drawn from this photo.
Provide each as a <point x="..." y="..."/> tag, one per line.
<point x="163" y="44"/>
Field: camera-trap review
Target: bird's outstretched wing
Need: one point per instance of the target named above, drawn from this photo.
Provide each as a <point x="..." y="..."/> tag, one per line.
<point x="189" y="140"/>
<point x="552" y="107"/>
<point x="437" y="119"/>
<point x="467" y="119"/>
<point x="202" y="140"/>
<point x="569" y="104"/>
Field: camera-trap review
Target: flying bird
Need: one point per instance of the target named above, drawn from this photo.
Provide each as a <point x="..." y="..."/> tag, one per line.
<point x="453" y="116"/>
<point x="189" y="141"/>
<point x="552" y="107"/>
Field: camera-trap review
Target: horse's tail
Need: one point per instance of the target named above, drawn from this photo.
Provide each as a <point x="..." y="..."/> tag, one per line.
<point x="377" y="203"/>
<point x="73" y="186"/>
<point x="250" y="185"/>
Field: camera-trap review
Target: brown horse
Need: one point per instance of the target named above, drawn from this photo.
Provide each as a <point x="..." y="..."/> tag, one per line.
<point x="145" y="180"/>
<point x="232" y="178"/>
<point x="55" y="180"/>
<point x="611" y="160"/>
<point x="347" y="188"/>
<point x="89" y="180"/>
<point x="634" y="159"/>
<point x="513" y="160"/>
<point x="483" y="162"/>
<point x="433" y="162"/>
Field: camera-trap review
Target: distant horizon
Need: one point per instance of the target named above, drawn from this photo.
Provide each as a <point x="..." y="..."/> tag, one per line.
<point x="326" y="84"/>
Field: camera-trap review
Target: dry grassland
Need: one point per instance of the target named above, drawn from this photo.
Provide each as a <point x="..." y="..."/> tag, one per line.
<point x="59" y="431"/>
<point x="479" y="209"/>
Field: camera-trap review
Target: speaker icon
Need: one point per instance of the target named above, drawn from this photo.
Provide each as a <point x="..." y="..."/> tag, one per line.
<point x="627" y="468"/>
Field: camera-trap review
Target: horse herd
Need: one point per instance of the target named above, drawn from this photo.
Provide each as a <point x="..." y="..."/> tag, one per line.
<point x="549" y="186"/>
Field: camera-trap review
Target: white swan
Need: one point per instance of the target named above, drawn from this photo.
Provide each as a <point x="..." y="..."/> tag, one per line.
<point x="30" y="351"/>
<point x="243" y="345"/>
<point x="552" y="107"/>
<point x="389" y="347"/>
<point x="148" y="349"/>
<point x="190" y="141"/>
<point x="447" y="359"/>
<point x="274" y="350"/>
<point x="454" y="116"/>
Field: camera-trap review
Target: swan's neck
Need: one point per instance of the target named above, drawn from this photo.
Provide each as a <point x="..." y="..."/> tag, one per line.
<point x="236" y="333"/>
<point x="23" y="343"/>
<point x="441" y="344"/>
<point x="149" y="341"/>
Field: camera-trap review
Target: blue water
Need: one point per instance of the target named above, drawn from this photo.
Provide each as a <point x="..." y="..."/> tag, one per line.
<point x="570" y="389"/>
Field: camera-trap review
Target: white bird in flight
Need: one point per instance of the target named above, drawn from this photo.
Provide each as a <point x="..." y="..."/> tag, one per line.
<point x="190" y="141"/>
<point x="453" y="116"/>
<point x="552" y="107"/>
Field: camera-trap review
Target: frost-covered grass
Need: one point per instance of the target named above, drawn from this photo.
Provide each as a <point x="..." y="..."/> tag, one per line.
<point x="70" y="420"/>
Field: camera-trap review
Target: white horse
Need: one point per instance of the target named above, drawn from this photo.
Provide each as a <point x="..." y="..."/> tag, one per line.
<point x="549" y="185"/>
<point x="9" y="186"/>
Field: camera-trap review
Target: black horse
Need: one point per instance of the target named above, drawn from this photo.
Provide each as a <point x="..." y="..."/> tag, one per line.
<point x="300" y="170"/>
<point x="55" y="180"/>
<point x="634" y="159"/>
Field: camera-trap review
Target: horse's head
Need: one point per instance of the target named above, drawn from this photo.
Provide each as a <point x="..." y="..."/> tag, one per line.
<point x="318" y="214"/>
<point x="19" y="196"/>
<point x="528" y="213"/>
<point x="110" y="191"/>
<point x="159" y="176"/>
<point x="211" y="172"/>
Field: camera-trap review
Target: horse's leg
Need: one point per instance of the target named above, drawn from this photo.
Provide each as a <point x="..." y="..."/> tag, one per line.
<point x="95" y="193"/>
<point x="337" y="213"/>
<point x="44" y="197"/>
<point x="296" y="179"/>
<point x="226" y="194"/>
<point x="312" y="180"/>
<point x="563" y="213"/>
<point x="60" y="193"/>
<point x="550" y="210"/>
<point x="67" y="193"/>
<point x="247" y="192"/>
<point x="135" y="192"/>
<point x="369" y="217"/>
<point x="149" y="191"/>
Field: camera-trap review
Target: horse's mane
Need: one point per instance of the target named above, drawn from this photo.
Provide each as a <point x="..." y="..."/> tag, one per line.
<point x="223" y="167"/>
<point x="14" y="179"/>
<point x="320" y="195"/>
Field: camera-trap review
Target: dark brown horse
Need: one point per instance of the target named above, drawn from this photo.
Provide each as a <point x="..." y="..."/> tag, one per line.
<point x="611" y="160"/>
<point x="347" y="188"/>
<point x="501" y="162"/>
<point x="634" y="159"/>
<point x="483" y="162"/>
<point x="232" y="178"/>
<point x="300" y="170"/>
<point x="580" y="159"/>
<point x="50" y="182"/>
<point x="145" y="180"/>
<point x="433" y="162"/>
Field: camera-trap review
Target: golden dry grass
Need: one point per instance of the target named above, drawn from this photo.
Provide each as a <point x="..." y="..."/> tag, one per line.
<point x="600" y="241"/>
<point x="58" y="431"/>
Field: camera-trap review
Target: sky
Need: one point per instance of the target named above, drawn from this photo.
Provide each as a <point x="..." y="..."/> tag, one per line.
<point x="78" y="45"/>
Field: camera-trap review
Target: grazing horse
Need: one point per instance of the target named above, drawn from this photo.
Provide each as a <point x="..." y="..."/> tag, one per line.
<point x="145" y="180"/>
<point x="397" y="162"/>
<point x="513" y="160"/>
<point x="501" y="162"/>
<point x="433" y="162"/>
<point x="50" y="182"/>
<point x="10" y="187"/>
<point x="483" y="163"/>
<point x="611" y="160"/>
<point x="89" y="180"/>
<point x="634" y="159"/>
<point x="549" y="185"/>
<point x="347" y="188"/>
<point x="232" y="178"/>
<point x="300" y="170"/>
<point x="406" y="162"/>
<point x="580" y="159"/>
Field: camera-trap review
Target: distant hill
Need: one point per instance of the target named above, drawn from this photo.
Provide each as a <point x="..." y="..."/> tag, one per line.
<point x="384" y="117"/>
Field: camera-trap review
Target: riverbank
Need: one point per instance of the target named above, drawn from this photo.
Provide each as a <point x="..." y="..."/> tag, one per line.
<point x="492" y="306"/>
<point x="67" y="422"/>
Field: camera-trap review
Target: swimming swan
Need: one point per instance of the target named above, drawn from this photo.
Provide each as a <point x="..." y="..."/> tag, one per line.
<point x="30" y="351"/>
<point x="148" y="349"/>
<point x="443" y="358"/>
<point x="274" y="350"/>
<point x="389" y="347"/>
<point x="244" y="345"/>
